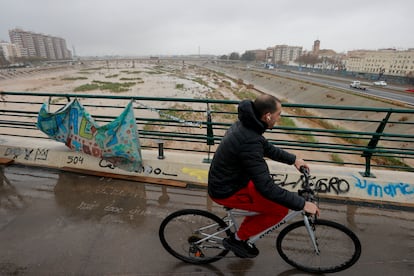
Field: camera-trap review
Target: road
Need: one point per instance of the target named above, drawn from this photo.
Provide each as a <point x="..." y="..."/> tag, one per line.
<point x="61" y="223"/>
<point x="391" y="92"/>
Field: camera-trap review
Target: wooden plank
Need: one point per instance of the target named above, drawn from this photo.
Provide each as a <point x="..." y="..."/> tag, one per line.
<point x="138" y="178"/>
<point x="6" y="161"/>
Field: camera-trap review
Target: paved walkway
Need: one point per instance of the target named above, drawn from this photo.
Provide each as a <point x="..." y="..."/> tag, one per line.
<point x="61" y="223"/>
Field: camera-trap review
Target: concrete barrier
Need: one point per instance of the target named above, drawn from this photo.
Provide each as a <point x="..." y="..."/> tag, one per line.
<point x="388" y="188"/>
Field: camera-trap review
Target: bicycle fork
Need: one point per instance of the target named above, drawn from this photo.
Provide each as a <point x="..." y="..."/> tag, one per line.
<point x="311" y="231"/>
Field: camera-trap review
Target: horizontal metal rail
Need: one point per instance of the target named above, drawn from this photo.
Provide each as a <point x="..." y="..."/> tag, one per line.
<point x="377" y="137"/>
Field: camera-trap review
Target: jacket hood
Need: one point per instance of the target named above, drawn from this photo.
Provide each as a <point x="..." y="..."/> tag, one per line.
<point x="248" y="117"/>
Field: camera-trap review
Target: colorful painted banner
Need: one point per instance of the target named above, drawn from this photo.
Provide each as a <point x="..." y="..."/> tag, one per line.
<point x="116" y="142"/>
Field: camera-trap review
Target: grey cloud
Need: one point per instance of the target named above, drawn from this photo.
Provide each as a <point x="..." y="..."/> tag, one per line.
<point x="145" y="27"/>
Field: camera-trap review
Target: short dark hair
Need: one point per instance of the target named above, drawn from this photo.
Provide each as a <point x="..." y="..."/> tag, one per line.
<point x="265" y="103"/>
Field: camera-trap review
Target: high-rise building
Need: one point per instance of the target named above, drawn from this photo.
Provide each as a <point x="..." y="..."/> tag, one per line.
<point x="10" y="51"/>
<point x="39" y="45"/>
<point x="283" y="54"/>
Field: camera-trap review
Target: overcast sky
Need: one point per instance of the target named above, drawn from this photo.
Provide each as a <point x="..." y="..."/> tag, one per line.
<point x="166" y="27"/>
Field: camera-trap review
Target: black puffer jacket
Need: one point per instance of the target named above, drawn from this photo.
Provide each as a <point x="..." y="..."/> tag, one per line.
<point x="240" y="158"/>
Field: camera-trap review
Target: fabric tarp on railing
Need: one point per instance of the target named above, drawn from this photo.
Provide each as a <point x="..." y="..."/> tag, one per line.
<point x="116" y="142"/>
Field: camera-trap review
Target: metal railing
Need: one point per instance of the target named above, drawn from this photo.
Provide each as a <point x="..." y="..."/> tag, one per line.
<point x="342" y="135"/>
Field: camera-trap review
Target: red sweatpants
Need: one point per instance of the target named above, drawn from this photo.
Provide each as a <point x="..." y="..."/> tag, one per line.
<point x="250" y="199"/>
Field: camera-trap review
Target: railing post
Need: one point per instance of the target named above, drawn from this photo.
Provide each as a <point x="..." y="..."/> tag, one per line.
<point x="210" y="134"/>
<point x="372" y="145"/>
<point x="160" y="149"/>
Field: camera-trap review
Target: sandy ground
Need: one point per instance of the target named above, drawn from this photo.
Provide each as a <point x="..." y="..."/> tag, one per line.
<point x="162" y="79"/>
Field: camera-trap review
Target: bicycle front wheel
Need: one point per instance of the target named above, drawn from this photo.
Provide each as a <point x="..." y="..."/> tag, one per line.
<point x="194" y="236"/>
<point x="339" y="248"/>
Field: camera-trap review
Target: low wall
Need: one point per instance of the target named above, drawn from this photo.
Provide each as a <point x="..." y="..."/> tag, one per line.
<point x="388" y="188"/>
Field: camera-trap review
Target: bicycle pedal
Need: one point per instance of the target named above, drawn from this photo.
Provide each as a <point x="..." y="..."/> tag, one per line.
<point x="199" y="254"/>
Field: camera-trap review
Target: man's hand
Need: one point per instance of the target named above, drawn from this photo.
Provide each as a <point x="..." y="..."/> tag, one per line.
<point x="299" y="163"/>
<point x="311" y="208"/>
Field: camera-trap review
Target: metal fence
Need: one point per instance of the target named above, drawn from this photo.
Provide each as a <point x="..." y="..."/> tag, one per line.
<point x="341" y="135"/>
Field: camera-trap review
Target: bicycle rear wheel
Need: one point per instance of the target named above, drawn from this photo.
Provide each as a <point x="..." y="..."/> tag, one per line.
<point x="194" y="236"/>
<point x="339" y="247"/>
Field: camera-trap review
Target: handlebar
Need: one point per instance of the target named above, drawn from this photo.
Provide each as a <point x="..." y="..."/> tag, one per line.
<point x="304" y="170"/>
<point x="307" y="191"/>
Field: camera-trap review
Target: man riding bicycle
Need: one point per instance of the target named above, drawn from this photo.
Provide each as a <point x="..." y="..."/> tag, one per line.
<point x="239" y="176"/>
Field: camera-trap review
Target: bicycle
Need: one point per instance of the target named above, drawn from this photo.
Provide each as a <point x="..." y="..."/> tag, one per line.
<point x="312" y="245"/>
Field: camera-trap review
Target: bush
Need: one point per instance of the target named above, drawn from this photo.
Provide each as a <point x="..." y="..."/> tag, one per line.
<point x="102" y="85"/>
<point x="87" y="87"/>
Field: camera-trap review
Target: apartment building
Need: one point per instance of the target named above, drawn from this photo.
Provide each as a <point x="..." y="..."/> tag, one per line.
<point x="39" y="45"/>
<point x="384" y="61"/>
<point x="283" y="54"/>
<point x="10" y="51"/>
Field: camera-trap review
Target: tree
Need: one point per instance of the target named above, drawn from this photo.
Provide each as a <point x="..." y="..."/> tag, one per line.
<point x="248" y="56"/>
<point x="308" y="59"/>
<point x="224" y="57"/>
<point x="234" y="56"/>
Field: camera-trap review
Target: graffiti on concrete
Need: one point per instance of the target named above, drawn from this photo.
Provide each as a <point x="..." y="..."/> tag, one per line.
<point x="322" y="185"/>
<point x="380" y="190"/>
<point x="75" y="160"/>
<point x="106" y="164"/>
<point x="87" y="206"/>
<point x="41" y="154"/>
<point x="27" y="153"/>
<point x="111" y="208"/>
<point x="148" y="170"/>
<point x="143" y="169"/>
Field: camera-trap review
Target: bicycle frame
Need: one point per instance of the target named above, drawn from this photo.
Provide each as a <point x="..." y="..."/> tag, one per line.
<point x="233" y="213"/>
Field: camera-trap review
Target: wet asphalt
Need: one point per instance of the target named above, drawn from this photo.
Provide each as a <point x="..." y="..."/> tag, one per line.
<point x="61" y="223"/>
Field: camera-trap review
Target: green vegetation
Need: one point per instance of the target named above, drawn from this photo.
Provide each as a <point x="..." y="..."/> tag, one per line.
<point x="92" y="69"/>
<point x="245" y="94"/>
<point x="179" y="86"/>
<point x="112" y="76"/>
<point x="75" y="78"/>
<point x="337" y="159"/>
<point x="88" y="70"/>
<point x="56" y="100"/>
<point x="287" y="122"/>
<point x="226" y="111"/>
<point x="327" y="125"/>
<point x="180" y="111"/>
<point x="353" y="139"/>
<point x="304" y="136"/>
<point x="86" y="87"/>
<point x="101" y="85"/>
<point x="131" y="72"/>
<point x="200" y="81"/>
<point x="130" y="79"/>
<point x="389" y="161"/>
